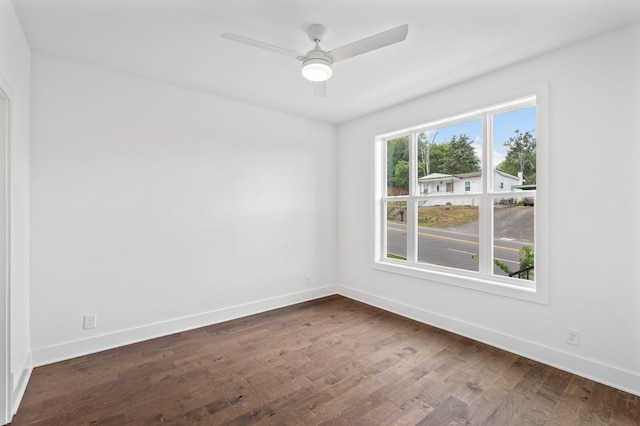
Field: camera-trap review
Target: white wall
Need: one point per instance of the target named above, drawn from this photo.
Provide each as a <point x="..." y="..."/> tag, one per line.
<point x="160" y="208"/>
<point x="594" y="92"/>
<point x="15" y="57"/>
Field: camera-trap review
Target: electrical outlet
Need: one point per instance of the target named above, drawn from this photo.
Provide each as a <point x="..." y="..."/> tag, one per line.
<point x="573" y="337"/>
<point x="307" y="280"/>
<point x="90" y="321"/>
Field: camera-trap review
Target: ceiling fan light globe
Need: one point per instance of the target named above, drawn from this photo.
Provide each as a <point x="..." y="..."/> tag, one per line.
<point x="316" y="70"/>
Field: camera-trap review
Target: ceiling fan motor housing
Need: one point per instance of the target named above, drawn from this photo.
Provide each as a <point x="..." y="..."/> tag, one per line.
<point x="317" y="65"/>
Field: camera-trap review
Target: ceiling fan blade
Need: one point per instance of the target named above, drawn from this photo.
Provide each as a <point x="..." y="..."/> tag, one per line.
<point x="320" y="89"/>
<point x="261" y="45"/>
<point x="368" y="44"/>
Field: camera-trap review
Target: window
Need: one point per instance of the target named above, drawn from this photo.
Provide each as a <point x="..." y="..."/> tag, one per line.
<point x="459" y="201"/>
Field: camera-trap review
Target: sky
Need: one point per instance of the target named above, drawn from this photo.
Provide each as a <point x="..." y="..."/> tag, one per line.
<point x="504" y="126"/>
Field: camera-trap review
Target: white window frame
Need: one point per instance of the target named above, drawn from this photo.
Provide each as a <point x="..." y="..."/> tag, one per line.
<point x="483" y="280"/>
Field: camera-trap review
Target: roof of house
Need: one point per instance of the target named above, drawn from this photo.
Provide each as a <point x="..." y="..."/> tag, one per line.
<point x="435" y="176"/>
<point x="442" y="176"/>
<point x="505" y="174"/>
<point x="468" y="175"/>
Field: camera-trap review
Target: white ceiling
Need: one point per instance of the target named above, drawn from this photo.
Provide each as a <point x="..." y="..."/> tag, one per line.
<point x="178" y="41"/>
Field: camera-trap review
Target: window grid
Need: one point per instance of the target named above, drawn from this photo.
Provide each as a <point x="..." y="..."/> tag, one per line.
<point x="486" y="197"/>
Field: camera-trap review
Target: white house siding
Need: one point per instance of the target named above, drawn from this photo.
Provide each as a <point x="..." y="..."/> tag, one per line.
<point x="504" y="181"/>
<point x="436" y="184"/>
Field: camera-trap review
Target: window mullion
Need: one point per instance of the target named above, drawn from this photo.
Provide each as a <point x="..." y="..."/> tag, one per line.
<point x="381" y="192"/>
<point x="485" y="231"/>
<point x="487" y="150"/>
<point x="412" y="222"/>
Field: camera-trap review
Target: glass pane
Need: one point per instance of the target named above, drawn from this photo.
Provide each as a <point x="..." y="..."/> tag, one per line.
<point x="513" y="242"/>
<point x="398" y="166"/>
<point x="449" y="159"/>
<point x="514" y="150"/>
<point x="397" y="230"/>
<point x="448" y="232"/>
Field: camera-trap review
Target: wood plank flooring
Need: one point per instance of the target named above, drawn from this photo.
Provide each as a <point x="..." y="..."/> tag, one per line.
<point x="330" y="361"/>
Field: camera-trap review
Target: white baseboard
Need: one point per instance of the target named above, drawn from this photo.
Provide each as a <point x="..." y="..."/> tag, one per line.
<point x="19" y="384"/>
<point x="68" y="350"/>
<point x="609" y="375"/>
<point x="606" y="374"/>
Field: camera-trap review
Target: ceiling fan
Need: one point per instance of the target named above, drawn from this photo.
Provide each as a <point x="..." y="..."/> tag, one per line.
<point x="316" y="63"/>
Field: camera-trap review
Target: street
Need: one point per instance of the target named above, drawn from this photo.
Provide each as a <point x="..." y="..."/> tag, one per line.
<point x="452" y="248"/>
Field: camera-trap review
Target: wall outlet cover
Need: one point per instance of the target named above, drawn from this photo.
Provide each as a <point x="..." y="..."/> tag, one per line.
<point x="573" y="337"/>
<point x="90" y="321"/>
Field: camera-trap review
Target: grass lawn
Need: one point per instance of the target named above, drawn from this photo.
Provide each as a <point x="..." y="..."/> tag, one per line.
<point x="434" y="216"/>
<point x="443" y="216"/>
<point x="395" y="256"/>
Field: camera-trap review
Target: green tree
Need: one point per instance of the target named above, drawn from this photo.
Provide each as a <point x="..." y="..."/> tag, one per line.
<point x="401" y="174"/>
<point x="460" y="156"/>
<point x="422" y="169"/>
<point x="397" y="150"/>
<point x="425" y="146"/>
<point x="436" y="157"/>
<point x="451" y="157"/>
<point x="526" y="261"/>
<point x="430" y="154"/>
<point x="521" y="156"/>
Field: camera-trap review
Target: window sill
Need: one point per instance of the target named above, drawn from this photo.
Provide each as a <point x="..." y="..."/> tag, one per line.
<point x="470" y="282"/>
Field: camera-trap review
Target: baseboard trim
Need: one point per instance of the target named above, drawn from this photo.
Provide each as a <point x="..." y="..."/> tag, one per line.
<point x="606" y="374"/>
<point x="73" y="349"/>
<point x="19" y="386"/>
<point x="591" y="369"/>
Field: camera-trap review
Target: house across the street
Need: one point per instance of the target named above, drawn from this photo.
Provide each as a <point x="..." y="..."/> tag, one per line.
<point x="466" y="183"/>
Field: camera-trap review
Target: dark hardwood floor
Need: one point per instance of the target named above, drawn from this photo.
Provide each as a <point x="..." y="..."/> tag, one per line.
<point x="330" y="361"/>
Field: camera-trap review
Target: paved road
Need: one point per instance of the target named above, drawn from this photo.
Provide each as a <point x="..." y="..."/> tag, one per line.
<point x="452" y="248"/>
<point x="513" y="222"/>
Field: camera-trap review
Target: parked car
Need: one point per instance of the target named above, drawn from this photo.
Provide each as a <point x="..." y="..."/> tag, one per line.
<point x="504" y="201"/>
<point x="528" y="201"/>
